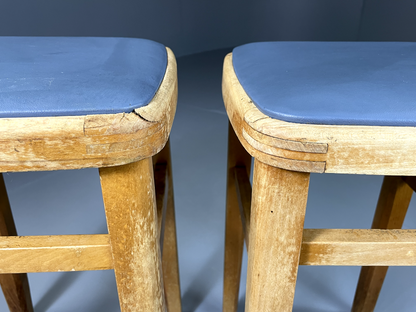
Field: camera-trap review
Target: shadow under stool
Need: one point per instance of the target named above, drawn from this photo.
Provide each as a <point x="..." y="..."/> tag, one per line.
<point x="323" y="107"/>
<point x="107" y="103"/>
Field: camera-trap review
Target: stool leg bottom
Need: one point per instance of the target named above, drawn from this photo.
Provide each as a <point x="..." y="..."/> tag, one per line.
<point x="394" y="199"/>
<point x="276" y="227"/>
<point x="234" y="235"/>
<point x="15" y="286"/>
<point x="130" y="205"/>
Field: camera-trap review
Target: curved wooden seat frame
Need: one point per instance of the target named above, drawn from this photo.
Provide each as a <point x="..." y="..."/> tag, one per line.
<point x="140" y="220"/>
<point x="272" y="212"/>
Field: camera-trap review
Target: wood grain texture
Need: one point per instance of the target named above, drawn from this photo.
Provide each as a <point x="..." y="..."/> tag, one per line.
<point x="325" y="148"/>
<point x="55" y="143"/>
<point x="394" y="199"/>
<point x="358" y="247"/>
<point x="234" y="235"/>
<point x="237" y="104"/>
<point x="170" y="264"/>
<point x="130" y="205"/>
<point x="352" y="247"/>
<point x="295" y="161"/>
<point x="276" y="227"/>
<point x="15" y="287"/>
<point x="56" y="253"/>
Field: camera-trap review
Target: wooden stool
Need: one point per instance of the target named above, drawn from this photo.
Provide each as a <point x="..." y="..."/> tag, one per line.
<point x="108" y="103"/>
<point x="301" y="107"/>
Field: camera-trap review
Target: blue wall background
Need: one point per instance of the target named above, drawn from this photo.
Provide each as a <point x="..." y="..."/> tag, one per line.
<point x="190" y="26"/>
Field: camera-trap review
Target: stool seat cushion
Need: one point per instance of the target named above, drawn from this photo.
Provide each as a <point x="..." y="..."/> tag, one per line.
<point x="65" y="76"/>
<point x="331" y="83"/>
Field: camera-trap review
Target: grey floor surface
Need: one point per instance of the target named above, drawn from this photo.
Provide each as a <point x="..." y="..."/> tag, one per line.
<point x="46" y="203"/>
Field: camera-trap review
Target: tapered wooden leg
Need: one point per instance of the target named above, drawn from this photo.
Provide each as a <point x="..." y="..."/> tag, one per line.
<point x="15" y="286"/>
<point x="129" y="200"/>
<point x="170" y="263"/>
<point x="391" y="210"/>
<point x="277" y="217"/>
<point x="234" y="235"/>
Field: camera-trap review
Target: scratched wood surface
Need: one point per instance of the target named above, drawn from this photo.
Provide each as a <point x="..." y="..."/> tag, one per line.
<point x="55" y="143"/>
<point x="125" y="142"/>
<point x="354" y="247"/>
<point x="276" y="225"/>
<point x="317" y="148"/>
<point x="130" y="206"/>
<point x="342" y="247"/>
<point x="381" y="246"/>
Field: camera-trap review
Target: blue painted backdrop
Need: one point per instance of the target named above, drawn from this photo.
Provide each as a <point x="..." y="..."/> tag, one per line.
<point x="190" y="26"/>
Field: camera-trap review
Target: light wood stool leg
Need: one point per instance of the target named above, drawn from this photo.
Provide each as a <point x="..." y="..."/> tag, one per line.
<point x="129" y="199"/>
<point x="276" y="226"/>
<point x="394" y="199"/>
<point x="15" y="286"/>
<point x="170" y="263"/>
<point x="170" y="258"/>
<point x="234" y="235"/>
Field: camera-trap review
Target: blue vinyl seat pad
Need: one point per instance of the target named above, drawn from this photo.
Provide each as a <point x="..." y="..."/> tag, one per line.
<point x="66" y="76"/>
<point x="331" y="83"/>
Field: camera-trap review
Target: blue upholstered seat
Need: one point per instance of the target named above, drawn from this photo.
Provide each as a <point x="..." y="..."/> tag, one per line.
<point x="334" y="83"/>
<point x="61" y="76"/>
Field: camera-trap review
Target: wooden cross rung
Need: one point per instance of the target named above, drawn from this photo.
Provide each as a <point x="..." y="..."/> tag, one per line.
<point x="358" y="247"/>
<point x="59" y="253"/>
<point x="25" y="254"/>
<point x="340" y="247"/>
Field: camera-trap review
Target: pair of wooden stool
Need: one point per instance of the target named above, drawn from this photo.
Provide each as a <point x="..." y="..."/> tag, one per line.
<point x="297" y="108"/>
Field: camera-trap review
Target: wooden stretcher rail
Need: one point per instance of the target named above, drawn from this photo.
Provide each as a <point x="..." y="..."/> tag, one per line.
<point x="24" y="254"/>
<point x="58" y="253"/>
<point x="351" y="247"/>
<point x="358" y="247"/>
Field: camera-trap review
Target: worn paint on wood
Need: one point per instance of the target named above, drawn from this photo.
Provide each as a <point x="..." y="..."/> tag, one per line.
<point x="325" y="148"/>
<point x="130" y="205"/>
<point x="276" y="226"/>
<point x="73" y="142"/>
